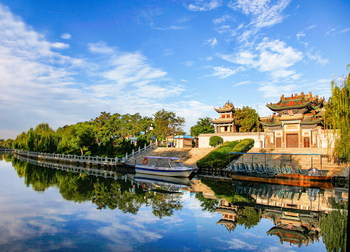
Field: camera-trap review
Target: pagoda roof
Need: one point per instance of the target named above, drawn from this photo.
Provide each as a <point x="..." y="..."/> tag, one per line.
<point x="288" y="104"/>
<point x="223" y="120"/>
<point x="228" y="107"/>
<point x="297" y="101"/>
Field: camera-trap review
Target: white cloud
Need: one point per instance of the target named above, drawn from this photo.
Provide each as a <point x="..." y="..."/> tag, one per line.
<point x="44" y="85"/>
<point x="264" y="13"/>
<point x="203" y="5"/>
<point x="241" y="83"/>
<point x="224" y="72"/>
<point x="188" y="63"/>
<point x="345" y="30"/>
<point x="315" y="56"/>
<point x="237" y="244"/>
<point x="171" y="27"/>
<point x="300" y="35"/>
<point x="59" y="45"/>
<point x="222" y="19"/>
<point x="272" y="56"/>
<point x="212" y="42"/>
<point x="270" y="90"/>
<point x="66" y="36"/>
<point x="276" y="55"/>
<point x="100" y="47"/>
<point x="277" y="249"/>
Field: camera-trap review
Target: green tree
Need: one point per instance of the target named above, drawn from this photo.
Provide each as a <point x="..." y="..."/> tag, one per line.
<point x="246" y="119"/>
<point x="334" y="230"/>
<point x="215" y="141"/>
<point x="338" y="118"/>
<point x="85" y="135"/>
<point x="167" y="124"/>
<point x="203" y="126"/>
<point x="67" y="143"/>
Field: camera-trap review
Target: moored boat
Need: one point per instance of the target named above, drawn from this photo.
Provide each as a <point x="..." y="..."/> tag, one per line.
<point x="281" y="175"/>
<point x="171" y="168"/>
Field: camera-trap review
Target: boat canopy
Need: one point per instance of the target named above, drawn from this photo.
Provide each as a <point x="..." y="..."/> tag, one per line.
<point x="158" y="157"/>
<point x="270" y="153"/>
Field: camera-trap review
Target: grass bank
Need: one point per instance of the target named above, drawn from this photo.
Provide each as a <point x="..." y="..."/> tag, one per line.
<point x="220" y="158"/>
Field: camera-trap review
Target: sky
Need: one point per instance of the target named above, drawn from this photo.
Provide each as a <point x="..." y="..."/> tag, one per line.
<point x="63" y="62"/>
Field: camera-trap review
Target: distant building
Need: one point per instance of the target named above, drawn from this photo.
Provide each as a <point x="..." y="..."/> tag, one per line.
<point x="183" y="141"/>
<point x="296" y="122"/>
<point x="226" y="122"/>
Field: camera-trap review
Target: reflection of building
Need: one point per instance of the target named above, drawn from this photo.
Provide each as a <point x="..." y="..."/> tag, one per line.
<point x="226" y="121"/>
<point x="295" y="228"/>
<point x="229" y="215"/>
<point x="297" y="123"/>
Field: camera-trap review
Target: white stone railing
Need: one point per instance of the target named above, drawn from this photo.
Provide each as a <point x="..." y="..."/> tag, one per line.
<point x="84" y="159"/>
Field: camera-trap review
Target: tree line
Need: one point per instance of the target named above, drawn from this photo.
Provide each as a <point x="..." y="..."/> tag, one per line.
<point x="106" y="135"/>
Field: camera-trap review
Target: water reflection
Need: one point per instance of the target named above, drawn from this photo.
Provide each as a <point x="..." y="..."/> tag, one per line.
<point x="106" y="189"/>
<point x="145" y="212"/>
<point x="300" y="215"/>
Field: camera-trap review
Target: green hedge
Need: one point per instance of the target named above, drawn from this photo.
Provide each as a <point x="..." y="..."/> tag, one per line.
<point x="219" y="157"/>
<point x="215" y="141"/>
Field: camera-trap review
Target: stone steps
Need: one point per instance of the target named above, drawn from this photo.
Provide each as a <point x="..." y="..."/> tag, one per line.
<point x="305" y="162"/>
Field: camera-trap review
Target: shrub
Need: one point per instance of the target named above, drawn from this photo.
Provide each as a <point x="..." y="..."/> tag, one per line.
<point x="215" y="141"/>
<point x="220" y="157"/>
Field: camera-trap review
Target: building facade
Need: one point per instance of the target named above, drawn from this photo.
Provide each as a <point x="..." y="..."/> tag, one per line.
<point x="296" y="122"/>
<point x="226" y="122"/>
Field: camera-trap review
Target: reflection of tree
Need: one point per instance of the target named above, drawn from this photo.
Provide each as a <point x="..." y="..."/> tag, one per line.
<point x="334" y="230"/>
<point x="248" y="216"/>
<point x="165" y="204"/>
<point x="207" y="204"/>
<point x="115" y="195"/>
<point x="227" y="191"/>
<point x="105" y="193"/>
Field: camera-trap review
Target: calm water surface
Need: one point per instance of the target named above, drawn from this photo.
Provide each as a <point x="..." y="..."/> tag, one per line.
<point x="43" y="209"/>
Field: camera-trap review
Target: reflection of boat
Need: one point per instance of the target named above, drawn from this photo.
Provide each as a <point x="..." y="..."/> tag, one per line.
<point x="171" y="168"/>
<point x="154" y="182"/>
<point x="163" y="179"/>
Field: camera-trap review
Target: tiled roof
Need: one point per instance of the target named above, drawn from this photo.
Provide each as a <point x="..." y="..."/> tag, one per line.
<point x="223" y="120"/>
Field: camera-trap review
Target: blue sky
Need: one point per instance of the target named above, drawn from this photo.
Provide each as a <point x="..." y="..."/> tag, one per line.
<point x="62" y="62"/>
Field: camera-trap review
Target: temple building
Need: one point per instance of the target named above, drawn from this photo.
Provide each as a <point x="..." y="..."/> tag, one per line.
<point x="296" y="122"/>
<point x="226" y="121"/>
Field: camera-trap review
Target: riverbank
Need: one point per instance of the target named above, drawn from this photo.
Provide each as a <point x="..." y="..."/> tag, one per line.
<point x="189" y="156"/>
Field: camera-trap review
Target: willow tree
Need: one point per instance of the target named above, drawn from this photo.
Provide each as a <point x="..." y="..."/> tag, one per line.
<point x="338" y="118"/>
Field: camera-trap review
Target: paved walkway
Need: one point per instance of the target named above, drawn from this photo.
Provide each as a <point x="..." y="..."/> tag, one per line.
<point x="189" y="156"/>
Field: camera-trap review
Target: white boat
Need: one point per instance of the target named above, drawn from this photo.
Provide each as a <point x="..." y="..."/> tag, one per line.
<point x="171" y="168"/>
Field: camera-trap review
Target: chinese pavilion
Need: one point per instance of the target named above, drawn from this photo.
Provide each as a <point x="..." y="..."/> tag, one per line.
<point x="296" y="121"/>
<point x="226" y="121"/>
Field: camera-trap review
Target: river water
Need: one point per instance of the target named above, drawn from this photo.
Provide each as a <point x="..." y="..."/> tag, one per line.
<point x="45" y="209"/>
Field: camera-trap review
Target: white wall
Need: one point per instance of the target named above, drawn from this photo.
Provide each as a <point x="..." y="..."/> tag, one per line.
<point x="203" y="139"/>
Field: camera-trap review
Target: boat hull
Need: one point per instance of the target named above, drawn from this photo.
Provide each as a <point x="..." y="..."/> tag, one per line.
<point x="290" y="179"/>
<point x="143" y="169"/>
